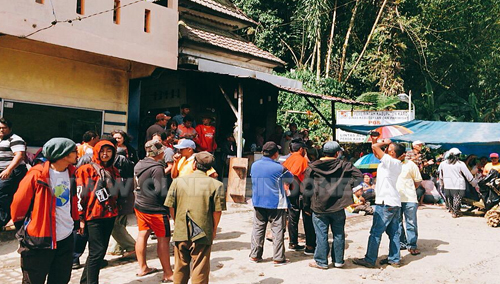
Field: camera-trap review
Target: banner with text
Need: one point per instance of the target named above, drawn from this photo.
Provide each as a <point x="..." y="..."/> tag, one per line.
<point x="366" y="117"/>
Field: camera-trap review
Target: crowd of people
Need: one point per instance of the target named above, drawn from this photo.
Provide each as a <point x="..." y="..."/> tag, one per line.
<point x="79" y="195"/>
<point x="76" y="196"/>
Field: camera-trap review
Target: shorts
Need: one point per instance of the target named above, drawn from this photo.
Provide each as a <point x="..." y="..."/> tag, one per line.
<point x="158" y="223"/>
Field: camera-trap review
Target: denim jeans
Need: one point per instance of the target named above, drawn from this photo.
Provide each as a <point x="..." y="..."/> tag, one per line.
<point x="321" y="222"/>
<point x="385" y="219"/>
<point x="409" y="238"/>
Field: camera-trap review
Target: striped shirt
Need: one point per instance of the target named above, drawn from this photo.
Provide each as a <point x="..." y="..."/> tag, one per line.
<point x="9" y="145"/>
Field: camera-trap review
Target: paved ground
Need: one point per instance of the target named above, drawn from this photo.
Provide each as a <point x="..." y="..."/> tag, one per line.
<point x="463" y="250"/>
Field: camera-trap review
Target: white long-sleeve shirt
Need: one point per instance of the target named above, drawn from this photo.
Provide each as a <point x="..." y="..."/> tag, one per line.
<point x="453" y="176"/>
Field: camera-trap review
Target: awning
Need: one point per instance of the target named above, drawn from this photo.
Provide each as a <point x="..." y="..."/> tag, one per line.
<point x="282" y="83"/>
<point x="478" y="138"/>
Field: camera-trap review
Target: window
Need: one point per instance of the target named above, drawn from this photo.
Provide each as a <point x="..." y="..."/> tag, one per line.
<point x="116" y="12"/>
<point x="36" y="124"/>
<point x="80" y="7"/>
<point x="147" y="20"/>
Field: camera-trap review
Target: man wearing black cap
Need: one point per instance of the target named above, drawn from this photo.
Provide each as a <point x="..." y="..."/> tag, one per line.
<point x="196" y="201"/>
<point x="45" y="210"/>
<point x="330" y="181"/>
<point x="270" y="181"/>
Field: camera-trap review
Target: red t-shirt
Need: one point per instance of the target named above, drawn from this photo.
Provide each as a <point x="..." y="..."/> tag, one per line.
<point x="206" y="138"/>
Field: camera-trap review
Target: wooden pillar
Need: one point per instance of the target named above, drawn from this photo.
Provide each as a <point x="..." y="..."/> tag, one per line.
<point x="239" y="140"/>
<point x="334" y="121"/>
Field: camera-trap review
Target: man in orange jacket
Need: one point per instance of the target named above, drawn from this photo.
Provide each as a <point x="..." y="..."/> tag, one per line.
<point x="45" y="210"/>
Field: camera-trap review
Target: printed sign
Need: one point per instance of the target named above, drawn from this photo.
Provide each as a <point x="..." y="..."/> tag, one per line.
<point x="367" y="117"/>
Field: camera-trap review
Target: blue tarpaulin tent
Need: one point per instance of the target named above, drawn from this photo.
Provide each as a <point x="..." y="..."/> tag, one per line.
<point x="470" y="137"/>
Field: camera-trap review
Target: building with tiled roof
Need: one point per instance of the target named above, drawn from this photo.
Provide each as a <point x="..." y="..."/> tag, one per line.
<point x="207" y="30"/>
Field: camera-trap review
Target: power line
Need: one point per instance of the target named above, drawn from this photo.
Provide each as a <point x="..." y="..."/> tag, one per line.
<point x="69" y="21"/>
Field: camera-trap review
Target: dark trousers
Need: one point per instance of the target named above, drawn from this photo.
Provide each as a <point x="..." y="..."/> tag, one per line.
<point x="80" y="244"/>
<point x="293" y="226"/>
<point x="99" y="232"/>
<point x="37" y="264"/>
<point x="7" y="189"/>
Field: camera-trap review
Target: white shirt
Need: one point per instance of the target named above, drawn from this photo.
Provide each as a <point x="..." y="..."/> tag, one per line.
<point x="60" y="184"/>
<point x="410" y="174"/>
<point x="453" y="175"/>
<point x="387" y="175"/>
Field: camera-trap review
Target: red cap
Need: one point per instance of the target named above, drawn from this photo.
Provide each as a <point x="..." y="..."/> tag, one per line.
<point x="494" y="155"/>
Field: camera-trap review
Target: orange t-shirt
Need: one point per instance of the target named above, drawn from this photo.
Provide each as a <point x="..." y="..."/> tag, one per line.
<point x="297" y="165"/>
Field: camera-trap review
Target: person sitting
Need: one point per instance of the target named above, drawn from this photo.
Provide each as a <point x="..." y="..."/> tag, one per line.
<point x="360" y="204"/>
<point x="431" y="194"/>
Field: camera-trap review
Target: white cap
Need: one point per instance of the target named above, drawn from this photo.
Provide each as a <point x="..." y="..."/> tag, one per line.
<point x="357" y="188"/>
<point x="454" y="151"/>
<point x="417" y="142"/>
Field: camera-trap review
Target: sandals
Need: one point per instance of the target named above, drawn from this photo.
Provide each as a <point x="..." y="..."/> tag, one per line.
<point x="153" y="270"/>
<point x="414" y="251"/>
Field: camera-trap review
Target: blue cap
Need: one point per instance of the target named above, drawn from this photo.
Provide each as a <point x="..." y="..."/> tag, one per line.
<point x="167" y="113"/>
<point x="331" y="147"/>
<point x="185" y="143"/>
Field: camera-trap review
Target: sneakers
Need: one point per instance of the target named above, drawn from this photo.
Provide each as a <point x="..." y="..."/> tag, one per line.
<point x="393" y="264"/>
<point x="339" y="265"/>
<point x="362" y="262"/>
<point x="295" y="247"/>
<point x="309" y="251"/>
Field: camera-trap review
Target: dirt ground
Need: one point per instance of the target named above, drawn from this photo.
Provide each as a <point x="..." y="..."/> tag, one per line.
<point x="463" y="250"/>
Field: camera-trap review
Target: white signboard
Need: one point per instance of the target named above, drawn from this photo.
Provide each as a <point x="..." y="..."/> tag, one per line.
<point x="366" y="117"/>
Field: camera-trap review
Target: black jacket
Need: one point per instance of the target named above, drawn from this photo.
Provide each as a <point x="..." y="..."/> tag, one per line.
<point x="327" y="185"/>
<point x="151" y="189"/>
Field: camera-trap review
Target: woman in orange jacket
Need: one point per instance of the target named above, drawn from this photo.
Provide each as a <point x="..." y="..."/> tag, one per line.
<point x="97" y="195"/>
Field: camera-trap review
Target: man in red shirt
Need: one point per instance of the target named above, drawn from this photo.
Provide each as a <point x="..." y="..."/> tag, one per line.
<point x="206" y="136"/>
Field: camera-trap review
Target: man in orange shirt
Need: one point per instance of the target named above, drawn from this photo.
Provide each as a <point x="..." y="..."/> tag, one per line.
<point x="297" y="164"/>
<point x="90" y="138"/>
<point x="206" y="136"/>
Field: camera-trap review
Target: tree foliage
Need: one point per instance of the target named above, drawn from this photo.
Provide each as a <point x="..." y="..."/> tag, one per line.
<point x="445" y="51"/>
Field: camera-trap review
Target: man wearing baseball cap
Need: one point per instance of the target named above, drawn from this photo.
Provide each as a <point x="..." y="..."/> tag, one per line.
<point x="330" y="180"/>
<point x="183" y="161"/>
<point x="196" y="201"/>
<point x="158" y="127"/>
<point x="269" y="186"/>
<point x="420" y="156"/>
<point x="494" y="164"/>
<point x="149" y="209"/>
<point x="45" y="210"/>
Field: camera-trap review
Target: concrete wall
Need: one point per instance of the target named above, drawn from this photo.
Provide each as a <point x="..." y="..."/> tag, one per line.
<point x="41" y="78"/>
<point x="98" y="34"/>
